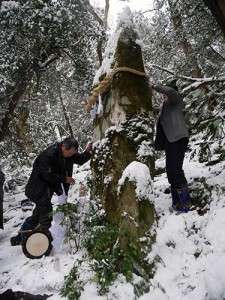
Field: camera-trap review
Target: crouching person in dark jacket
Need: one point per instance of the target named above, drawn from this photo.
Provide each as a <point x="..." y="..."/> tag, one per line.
<point x="53" y="167"/>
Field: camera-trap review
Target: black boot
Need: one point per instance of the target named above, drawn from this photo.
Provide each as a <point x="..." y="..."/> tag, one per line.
<point x="18" y="239"/>
<point x="181" y="200"/>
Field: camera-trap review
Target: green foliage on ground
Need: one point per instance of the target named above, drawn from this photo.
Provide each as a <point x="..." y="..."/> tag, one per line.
<point x="104" y="260"/>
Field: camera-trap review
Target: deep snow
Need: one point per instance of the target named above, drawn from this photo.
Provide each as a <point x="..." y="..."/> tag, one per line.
<point x="189" y="248"/>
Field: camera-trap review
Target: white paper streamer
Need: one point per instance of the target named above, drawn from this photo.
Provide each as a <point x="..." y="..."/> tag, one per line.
<point x="100" y="106"/>
<point x="94" y="110"/>
<point x="97" y="108"/>
<point x="57" y="230"/>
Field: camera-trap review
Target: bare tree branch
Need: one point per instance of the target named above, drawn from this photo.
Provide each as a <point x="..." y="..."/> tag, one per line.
<point x="215" y="51"/>
<point x="197" y="82"/>
<point x="94" y="14"/>
<point x="147" y="11"/>
<point x="66" y="115"/>
<point x="72" y="58"/>
<point x="106" y="13"/>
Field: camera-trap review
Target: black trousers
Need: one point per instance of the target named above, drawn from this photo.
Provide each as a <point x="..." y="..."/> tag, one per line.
<point x="175" y="153"/>
<point x="42" y="214"/>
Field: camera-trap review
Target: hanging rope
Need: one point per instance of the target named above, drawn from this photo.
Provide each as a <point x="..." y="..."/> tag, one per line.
<point x="105" y="83"/>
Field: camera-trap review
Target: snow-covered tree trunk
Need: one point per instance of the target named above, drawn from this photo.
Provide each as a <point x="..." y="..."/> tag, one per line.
<point x="217" y="8"/>
<point x="123" y="163"/>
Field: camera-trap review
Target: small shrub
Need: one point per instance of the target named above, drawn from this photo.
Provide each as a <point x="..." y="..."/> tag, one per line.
<point x="73" y="286"/>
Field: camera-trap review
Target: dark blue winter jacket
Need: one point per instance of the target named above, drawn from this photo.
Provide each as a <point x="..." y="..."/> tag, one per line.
<point x="50" y="170"/>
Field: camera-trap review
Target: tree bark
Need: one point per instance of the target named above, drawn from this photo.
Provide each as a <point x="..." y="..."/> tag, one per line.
<point x="217" y="8"/>
<point x="126" y="105"/>
<point x="106" y="13"/>
<point x="15" y="95"/>
<point x="66" y="116"/>
<point x="99" y="52"/>
<point x="184" y="44"/>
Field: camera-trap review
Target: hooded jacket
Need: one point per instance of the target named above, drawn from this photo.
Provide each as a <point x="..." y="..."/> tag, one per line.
<point x="50" y="170"/>
<point x="171" y="116"/>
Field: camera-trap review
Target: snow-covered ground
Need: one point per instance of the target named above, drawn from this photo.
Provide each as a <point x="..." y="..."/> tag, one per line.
<point x="189" y="247"/>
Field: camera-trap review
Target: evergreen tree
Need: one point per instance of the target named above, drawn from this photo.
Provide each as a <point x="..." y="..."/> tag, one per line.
<point x="183" y="37"/>
<point x="34" y="34"/>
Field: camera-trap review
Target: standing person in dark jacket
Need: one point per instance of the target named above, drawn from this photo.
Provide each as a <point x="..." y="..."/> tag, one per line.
<point x="2" y="180"/>
<point x="172" y="136"/>
<point x="53" y="167"/>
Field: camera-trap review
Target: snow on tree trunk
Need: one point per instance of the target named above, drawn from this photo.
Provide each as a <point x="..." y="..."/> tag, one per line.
<point x="123" y="162"/>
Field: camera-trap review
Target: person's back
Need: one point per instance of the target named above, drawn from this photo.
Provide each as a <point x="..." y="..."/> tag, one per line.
<point x="172" y="136"/>
<point x="172" y="116"/>
<point x="44" y="174"/>
<point x="51" y="168"/>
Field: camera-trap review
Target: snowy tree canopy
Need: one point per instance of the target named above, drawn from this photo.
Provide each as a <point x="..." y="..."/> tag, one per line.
<point x="34" y="34"/>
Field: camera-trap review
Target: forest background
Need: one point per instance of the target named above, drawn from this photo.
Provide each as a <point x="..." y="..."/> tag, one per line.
<point x="50" y="53"/>
<point x="51" y="50"/>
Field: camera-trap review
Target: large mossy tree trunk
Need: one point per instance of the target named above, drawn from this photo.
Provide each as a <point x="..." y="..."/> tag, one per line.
<point x="123" y="161"/>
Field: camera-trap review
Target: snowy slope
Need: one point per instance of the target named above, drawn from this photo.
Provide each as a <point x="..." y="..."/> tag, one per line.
<point x="189" y="248"/>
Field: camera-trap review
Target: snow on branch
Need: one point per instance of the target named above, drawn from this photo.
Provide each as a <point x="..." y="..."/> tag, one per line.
<point x="196" y="82"/>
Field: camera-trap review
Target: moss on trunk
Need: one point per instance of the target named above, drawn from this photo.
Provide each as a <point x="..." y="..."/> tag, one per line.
<point x="124" y="132"/>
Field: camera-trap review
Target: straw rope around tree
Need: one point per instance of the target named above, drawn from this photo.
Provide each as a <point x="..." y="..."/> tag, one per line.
<point x="105" y="83"/>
